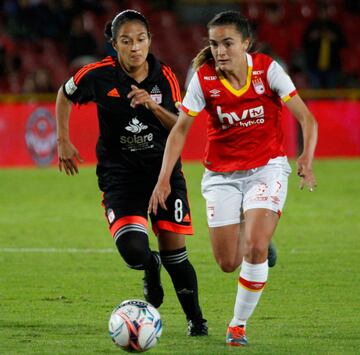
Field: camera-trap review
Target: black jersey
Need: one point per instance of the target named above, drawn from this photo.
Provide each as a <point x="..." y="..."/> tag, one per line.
<point x="130" y="139"/>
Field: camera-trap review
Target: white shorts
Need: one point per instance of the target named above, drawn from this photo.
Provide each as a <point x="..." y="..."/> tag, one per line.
<point x="228" y="195"/>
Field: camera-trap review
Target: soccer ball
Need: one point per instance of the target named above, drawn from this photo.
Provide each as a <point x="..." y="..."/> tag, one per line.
<point x="135" y="326"/>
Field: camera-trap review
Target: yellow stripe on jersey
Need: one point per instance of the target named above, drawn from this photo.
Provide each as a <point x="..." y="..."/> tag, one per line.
<point x="188" y="112"/>
<point x="235" y="91"/>
<point x="288" y="97"/>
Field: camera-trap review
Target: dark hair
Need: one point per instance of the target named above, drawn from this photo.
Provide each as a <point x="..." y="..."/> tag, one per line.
<point x="112" y="27"/>
<point x="225" y="18"/>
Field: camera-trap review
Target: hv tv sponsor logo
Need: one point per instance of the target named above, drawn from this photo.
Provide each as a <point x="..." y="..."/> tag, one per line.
<point x="255" y="114"/>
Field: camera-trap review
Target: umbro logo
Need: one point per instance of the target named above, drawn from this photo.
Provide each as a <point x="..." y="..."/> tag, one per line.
<point x="113" y="93"/>
<point x="214" y="93"/>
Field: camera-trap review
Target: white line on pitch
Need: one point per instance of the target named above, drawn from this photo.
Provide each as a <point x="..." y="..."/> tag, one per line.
<point x="56" y="250"/>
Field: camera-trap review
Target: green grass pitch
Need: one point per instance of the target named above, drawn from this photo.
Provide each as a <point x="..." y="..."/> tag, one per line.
<point x="57" y="292"/>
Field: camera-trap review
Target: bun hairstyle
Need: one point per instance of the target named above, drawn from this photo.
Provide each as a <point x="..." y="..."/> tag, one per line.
<point x="112" y="27"/>
<point x="225" y="18"/>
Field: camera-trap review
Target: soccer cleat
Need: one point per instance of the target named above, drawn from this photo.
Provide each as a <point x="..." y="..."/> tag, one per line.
<point x="153" y="290"/>
<point x="272" y="254"/>
<point x="235" y="336"/>
<point x="197" y="327"/>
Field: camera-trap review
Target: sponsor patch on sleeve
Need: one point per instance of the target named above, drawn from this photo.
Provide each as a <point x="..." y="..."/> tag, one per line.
<point x="110" y="215"/>
<point x="70" y="86"/>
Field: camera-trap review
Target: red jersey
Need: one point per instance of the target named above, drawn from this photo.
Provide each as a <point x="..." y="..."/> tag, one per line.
<point x="244" y="126"/>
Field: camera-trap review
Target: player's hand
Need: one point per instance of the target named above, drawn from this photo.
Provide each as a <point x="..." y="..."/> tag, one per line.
<point x="140" y="97"/>
<point x="68" y="157"/>
<point x="160" y="193"/>
<point x="304" y="171"/>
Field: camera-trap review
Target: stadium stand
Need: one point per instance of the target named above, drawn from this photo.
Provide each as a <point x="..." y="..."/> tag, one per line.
<point x="35" y="34"/>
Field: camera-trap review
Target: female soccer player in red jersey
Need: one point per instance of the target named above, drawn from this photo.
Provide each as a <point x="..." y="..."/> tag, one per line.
<point x="246" y="173"/>
<point x="135" y="96"/>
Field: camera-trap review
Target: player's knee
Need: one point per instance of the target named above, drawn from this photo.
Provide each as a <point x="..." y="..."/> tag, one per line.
<point x="256" y="251"/>
<point x="227" y="265"/>
<point x="134" y="248"/>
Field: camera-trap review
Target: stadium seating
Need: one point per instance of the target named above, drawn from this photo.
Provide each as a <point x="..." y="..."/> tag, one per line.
<point x="177" y="43"/>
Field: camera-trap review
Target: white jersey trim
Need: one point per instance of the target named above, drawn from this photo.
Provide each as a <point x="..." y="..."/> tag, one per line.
<point x="194" y="99"/>
<point x="279" y="81"/>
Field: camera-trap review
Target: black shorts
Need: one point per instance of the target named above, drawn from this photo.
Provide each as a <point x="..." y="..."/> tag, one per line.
<point x="126" y="201"/>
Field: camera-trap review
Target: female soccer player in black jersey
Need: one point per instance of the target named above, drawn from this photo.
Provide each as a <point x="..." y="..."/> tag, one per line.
<point x="135" y="96"/>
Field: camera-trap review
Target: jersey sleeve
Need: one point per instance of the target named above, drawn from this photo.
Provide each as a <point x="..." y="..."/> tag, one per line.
<point x="172" y="94"/>
<point x="194" y="100"/>
<point x="280" y="82"/>
<point x="78" y="89"/>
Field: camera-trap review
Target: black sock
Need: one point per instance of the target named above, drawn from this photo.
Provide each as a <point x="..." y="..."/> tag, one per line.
<point x="183" y="276"/>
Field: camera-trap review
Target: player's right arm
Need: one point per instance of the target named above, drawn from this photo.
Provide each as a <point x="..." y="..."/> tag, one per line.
<point x="68" y="154"/>
<point x="173" y="149"/>
<point x="193" y="103"/>
<point x="79" y="89"/>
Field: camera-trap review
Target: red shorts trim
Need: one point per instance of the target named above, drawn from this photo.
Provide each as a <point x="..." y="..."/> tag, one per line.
<point x="172" y="227"/>
<point x="127" y="220"/>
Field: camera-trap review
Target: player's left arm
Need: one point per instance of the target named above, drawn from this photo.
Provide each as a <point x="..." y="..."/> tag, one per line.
<point x="281" y="84"/>
<point x="309" y="129"/>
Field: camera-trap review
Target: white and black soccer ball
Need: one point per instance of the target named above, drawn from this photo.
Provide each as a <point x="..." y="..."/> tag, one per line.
<point x="135" y="326"/>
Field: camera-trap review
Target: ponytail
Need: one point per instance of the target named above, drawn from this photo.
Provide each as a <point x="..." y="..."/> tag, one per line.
<point x="202" y="57"/>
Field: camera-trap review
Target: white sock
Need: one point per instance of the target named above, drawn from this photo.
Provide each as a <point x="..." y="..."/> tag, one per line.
<point x="251" y="284"/>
